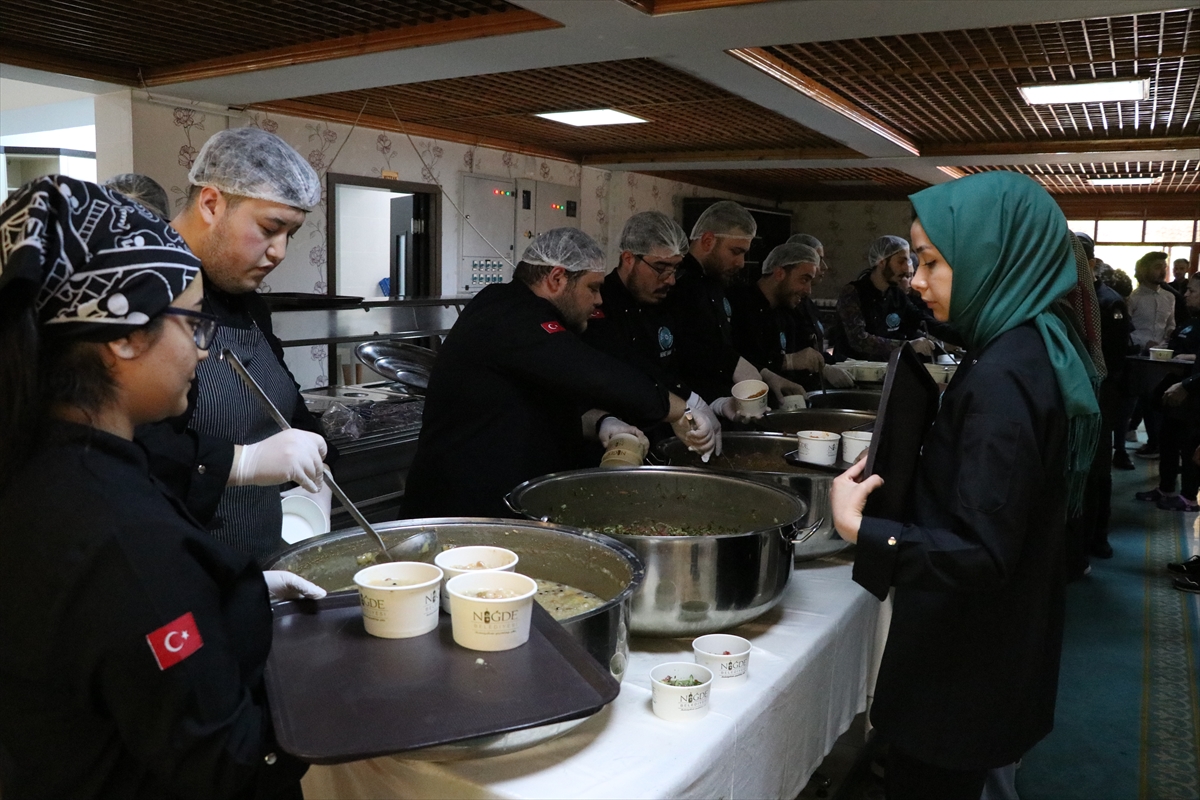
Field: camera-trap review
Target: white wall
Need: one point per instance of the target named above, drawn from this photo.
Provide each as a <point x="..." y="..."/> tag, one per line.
<point x="847" y="228"/>
<point x="363" y="239"/>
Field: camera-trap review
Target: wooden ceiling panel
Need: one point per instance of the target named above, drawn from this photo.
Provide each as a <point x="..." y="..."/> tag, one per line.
<point x="684" y="113"/>
<point x="805" y="184"/>
<point x="1177" y="176"/>
<point x="959" y="87"/>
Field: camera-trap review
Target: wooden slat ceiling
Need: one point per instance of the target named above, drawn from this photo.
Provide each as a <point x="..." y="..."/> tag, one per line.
<point x="959" y="87"/>
<point x="1177" y="176"/>
<point x="684" y="113"/>
<point x="804" y="184"/>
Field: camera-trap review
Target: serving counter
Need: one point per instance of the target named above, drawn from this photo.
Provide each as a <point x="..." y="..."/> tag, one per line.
<point x="808" y="674"/>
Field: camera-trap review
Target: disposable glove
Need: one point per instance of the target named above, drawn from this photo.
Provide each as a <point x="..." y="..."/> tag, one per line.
<point x="781" y="387"/>
<point x="703" y="433"/>
<point x="806" y="360"/>
<point x="837" y="377"/>
<point x="744" y="371"/>
<point x="283" y="585"/>
<point x="291" y="455"/>
<point x="725" y="407"/>
<point x="922" y="347"/>
<point x="322" y="497"/>
<point x="611" y="426"/>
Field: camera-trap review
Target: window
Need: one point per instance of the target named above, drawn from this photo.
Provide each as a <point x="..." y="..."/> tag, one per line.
<point x="1120" y="243"/>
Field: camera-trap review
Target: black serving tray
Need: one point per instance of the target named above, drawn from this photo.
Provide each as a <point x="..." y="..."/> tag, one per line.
<point x="339" y="694"/>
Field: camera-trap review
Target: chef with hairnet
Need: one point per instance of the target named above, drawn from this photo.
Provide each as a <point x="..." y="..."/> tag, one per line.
<point x="634" y="324"/>
<point x="225" y="457"/>
<point x="514" y="390"/>
<point x="710" y="363"/>
<point x="808" y="326"/>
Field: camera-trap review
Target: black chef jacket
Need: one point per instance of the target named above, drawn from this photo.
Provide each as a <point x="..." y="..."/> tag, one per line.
<point x="707" y="356"/>
<point x="504" y="404"/>
<point x="642" y="336"/>
<point x="871" y="324"/>
<point x="970" y="670"/>
<point x="809" y="330"/>
<point x="196" y="466"/>
<point x="758" y="329"/>
<point x="96" y="558"/>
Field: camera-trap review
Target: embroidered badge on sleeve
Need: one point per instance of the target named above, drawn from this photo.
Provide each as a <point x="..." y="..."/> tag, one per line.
<point x="175" y="641"/>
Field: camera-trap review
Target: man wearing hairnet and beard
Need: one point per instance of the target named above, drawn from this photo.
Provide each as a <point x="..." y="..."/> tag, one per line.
<point x="225" y="457"/>
<point x="515" y="390"/>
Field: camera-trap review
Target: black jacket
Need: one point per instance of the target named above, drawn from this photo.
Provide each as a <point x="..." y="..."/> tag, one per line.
<point x="1116" y="329"/>
<point x="642" y="336"/>
<point x="970" y="672"/>
<point x="196" y="466"/>
<point x="504" y="404"/>
<point x="707" y="356"/>
<point x="758" y="329"/>
<point x="97" y="557"/>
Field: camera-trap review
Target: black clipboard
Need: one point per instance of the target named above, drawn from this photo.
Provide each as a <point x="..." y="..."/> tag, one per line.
<point x="906" y="412"/>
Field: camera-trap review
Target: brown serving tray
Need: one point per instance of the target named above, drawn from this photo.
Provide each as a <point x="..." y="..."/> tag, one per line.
<point x="339" y="694"/>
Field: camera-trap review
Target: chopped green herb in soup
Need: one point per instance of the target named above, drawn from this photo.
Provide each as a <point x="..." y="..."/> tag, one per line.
<point x="650" y="528"/>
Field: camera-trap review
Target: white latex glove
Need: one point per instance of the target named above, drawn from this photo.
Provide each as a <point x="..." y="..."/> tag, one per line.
<point x="922" y="347"/>
<point x="611" y="426"/>
<point x="725" y="407"/>
<point x="322" y="497"/>
<point x="781" y="387"/>
<point x="291" y="455"/>
<point x="705" y="437"/>
<point x="806" y="360"/>
<point x="283" y="585"/>
<point x="836" y="377"/>
<point x="744" y="371"/>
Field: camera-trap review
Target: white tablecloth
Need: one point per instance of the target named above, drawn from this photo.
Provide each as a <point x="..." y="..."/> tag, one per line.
<point x="808" y="676"/>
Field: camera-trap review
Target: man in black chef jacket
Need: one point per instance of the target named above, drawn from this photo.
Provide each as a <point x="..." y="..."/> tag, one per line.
<point x="513" y="380"/>
<point x="225" y="457"/>
<point x="809" y="328"/>
<point x="634" y="324"/>
<point x="710" y="363"/>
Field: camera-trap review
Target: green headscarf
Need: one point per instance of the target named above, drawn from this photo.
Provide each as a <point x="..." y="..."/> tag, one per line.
<point x="1008" y="244"/>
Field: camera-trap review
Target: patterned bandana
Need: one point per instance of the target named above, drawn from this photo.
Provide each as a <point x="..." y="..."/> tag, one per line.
<point x="93" y="263"/>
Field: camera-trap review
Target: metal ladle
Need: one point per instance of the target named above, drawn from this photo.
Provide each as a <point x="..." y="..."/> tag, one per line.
<point x="411" y="549"/>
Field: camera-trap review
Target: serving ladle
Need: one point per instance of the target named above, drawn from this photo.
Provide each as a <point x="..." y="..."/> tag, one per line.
<point x="419" y="546"/>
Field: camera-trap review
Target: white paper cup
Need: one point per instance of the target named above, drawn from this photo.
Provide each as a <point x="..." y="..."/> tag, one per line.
<point x="408" y="608"/>
<point x="726" y="656"/>
<point x="454" y="561"/>
<point x="624" y="450"/>
<point x="870" y="371"/>
<point x="853" y="443"/>
<point x="1162" y="353"/>
<point x="817" y="447"/>
<point x="491" y="624"/>
<point x="794" y="402"/>
<point x="680" y="703"/>
<point x="750" y="397"/>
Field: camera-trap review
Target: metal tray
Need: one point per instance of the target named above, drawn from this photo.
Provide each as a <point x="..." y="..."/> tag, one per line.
<point x="339" y="694"/>
<point x="404" y="363"/>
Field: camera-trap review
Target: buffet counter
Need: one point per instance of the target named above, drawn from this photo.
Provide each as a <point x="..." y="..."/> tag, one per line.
<point x="808" y="674"/>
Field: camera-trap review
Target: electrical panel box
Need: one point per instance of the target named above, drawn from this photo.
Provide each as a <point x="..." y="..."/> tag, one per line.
<point x="508" y="214"/>
<point x="486" y="235"/>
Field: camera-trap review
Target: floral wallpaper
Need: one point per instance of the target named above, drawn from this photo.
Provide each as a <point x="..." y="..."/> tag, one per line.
<point x="846" y="228"/>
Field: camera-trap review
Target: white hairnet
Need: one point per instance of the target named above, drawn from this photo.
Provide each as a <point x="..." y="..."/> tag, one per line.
<point x="253" y="163"/>
<point x="569" y="248"/>
<point x="885" y="247"/>
<point x="787" y="254"/>
<point x="725" y="218"/>
<point x="804" y="238"/>
<point x="648" y="231"/>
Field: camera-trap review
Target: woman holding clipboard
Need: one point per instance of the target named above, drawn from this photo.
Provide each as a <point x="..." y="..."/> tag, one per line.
<point x="970" y="671"/>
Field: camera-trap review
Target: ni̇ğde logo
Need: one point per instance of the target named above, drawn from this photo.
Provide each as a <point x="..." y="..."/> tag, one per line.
<point x="692" y="701"/>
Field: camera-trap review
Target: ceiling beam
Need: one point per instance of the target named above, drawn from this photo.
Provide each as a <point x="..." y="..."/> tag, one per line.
<point x="44" y="62"/>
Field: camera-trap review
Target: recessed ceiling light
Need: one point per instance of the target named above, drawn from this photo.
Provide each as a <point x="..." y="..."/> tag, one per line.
<point x="1125" y="181"/>
<point x="1090" y="92"/>
<point x="595" y="116"/>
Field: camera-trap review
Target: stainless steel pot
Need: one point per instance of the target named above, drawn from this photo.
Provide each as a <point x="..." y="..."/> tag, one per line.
<point x="694" y="584"/>
<point x="850" y="399"/>
<point x="815" y="419"/>
<point x="588" y="561"/>
<point x="759" y="457"/>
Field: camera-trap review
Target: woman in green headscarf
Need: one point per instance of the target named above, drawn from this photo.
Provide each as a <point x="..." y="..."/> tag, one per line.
<point x="970" y="672"/>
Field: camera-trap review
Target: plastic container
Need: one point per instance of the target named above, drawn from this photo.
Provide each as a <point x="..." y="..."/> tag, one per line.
<point x="399" y="600"/>
<point x="726" y="656"/>
<point x="817" y="447"/>
<point x="680" y="703"/>
<point x="1162" y="353"/>
<point x="455" y="561"/>
<point x="490" y="624"/>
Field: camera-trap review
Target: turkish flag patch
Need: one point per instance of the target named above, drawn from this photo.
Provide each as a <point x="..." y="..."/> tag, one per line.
<point x="553" y="327"/>
<point x="175" y="641"/>
<point x="597" y="314"/>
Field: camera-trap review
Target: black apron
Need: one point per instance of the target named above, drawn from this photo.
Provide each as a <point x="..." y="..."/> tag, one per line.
<point x="249" y="518"/>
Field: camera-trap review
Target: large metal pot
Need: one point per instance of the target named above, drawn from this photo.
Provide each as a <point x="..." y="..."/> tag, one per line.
<point x="694" y="584"/>
<point x="850" y="399"/>
<point x="815" y="419"/>
<point x="588" y="561"/>
<point x="759" y="456"/>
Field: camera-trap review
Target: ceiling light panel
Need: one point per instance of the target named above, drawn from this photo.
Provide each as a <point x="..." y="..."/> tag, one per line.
<point x="1090" y="92"/>
<point x="1148" y="181"/>
<point x="595" y="116"/>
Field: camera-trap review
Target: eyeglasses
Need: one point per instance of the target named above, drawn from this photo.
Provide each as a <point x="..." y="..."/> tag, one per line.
<point x="664" y="271"/>
<point x="204" y="326"/>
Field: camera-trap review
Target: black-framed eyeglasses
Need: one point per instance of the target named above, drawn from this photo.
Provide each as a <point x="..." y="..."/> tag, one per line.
<point x="664" y="271"/>
<point x="204" y="326"/>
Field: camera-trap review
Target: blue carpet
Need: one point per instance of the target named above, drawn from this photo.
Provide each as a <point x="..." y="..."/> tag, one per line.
<point x="1127" y="722"/>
